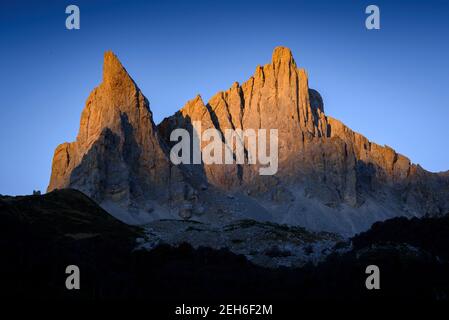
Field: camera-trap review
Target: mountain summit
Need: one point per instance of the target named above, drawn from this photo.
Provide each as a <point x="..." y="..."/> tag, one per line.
<point x="330" y="177"/>
<point x="117" y="158"/>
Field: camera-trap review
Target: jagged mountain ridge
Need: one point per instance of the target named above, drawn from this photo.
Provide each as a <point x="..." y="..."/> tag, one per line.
<point x="330" y="178"/>
<point x="304" y="130"/>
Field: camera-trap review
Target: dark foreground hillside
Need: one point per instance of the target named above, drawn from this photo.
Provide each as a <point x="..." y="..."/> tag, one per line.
<point x="41" y="235"/>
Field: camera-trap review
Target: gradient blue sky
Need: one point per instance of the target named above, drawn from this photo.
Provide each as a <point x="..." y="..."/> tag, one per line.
<point x="390" y="85"/>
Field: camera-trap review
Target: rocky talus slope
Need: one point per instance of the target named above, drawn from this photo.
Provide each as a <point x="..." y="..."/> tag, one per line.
<point x="41" y="235"/>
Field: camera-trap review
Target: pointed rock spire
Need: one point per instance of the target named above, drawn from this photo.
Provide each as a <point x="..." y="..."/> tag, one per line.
<point x="117" y="140"/>
<point x="197" y="102"/>
<point x="282" y="55"/>
<point x="113" y="70"/>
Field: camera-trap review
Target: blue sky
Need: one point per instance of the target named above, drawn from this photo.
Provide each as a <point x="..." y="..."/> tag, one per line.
<point x="390" y="85"/>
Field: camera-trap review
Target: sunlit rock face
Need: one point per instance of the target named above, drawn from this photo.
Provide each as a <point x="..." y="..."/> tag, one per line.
<point x="117" y="157"/>
<point x="317" y="153"/>
<point x="328" y="178"/>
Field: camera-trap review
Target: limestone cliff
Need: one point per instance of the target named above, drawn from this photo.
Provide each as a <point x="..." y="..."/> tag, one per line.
<point x="319" y="157"/>
<point x="117" y="158"/>
<point x="329" y="177"/>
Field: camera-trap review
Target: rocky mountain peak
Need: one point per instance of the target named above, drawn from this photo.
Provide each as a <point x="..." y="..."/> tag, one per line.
<point x="118" y="158"/>
<point x="282" y="55"/>
<point x="115" y="100"/>
<point x="194" y="105"/>
<point x="113" y="71"/>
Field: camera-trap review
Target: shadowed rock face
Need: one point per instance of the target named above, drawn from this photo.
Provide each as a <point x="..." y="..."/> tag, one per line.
<point x="329" y="178"/>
